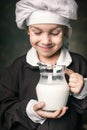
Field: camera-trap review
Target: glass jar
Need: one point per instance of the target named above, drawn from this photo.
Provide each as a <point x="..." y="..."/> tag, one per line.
<point x="52" y="87"/>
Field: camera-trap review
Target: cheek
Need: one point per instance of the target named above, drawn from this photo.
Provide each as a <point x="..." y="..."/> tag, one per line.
<point x="58" y="40"/>
<point x="33" y="40"/>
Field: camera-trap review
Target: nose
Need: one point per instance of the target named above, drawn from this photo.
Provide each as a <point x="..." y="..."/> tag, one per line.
<point x="46" y="40"/>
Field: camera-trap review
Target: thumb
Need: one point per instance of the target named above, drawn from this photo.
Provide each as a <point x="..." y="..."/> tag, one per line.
<point x="68" y="71"/>
<point x="38" y="106"/>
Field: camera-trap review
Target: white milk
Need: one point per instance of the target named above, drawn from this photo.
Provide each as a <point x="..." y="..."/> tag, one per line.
<point x="54" y="95"/>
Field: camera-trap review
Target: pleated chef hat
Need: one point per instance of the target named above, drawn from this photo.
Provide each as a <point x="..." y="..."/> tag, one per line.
<point x="30" y="12"/>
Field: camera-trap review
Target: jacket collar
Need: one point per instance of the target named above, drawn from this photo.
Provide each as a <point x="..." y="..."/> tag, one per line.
<point x="64" y="58"/>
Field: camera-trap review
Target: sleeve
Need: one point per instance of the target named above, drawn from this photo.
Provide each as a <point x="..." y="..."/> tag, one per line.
<point x="79" y="101"/>
<point x="83" y="93"/>
<point x="32" y="114"/>
<point x="79" y="105"/>
<point x="12" y="109"/>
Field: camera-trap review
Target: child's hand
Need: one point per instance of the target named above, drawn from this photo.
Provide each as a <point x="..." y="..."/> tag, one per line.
<point x="75" y="81"/>
<point x="56" y="114"/>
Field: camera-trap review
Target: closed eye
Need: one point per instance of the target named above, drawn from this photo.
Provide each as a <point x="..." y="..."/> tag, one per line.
<point x="55" y="33"/>
<point x="37" y="33"/>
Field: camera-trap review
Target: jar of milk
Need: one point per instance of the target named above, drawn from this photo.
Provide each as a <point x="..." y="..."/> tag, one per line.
<point x="52" y="87"/>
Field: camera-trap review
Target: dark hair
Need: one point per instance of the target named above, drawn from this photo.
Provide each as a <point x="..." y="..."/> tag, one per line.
<point x="65" y="37"/>
<point x="65" y="31"/>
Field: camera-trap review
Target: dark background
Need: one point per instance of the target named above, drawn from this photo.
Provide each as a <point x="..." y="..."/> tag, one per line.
<point x="14" y="42"/>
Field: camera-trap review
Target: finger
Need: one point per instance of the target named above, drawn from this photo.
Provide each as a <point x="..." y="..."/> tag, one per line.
<point x="73" y="80"/>
<point x="63" y="112"/>
<point x="38" y="106"/>
<point x="47" y="114"/>
<point x="75" y="90"/>
<point x="72" y="85"/>
<point x="68" y="71"/>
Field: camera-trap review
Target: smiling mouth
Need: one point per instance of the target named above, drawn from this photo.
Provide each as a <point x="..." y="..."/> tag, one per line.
<point x="46" y="47"/>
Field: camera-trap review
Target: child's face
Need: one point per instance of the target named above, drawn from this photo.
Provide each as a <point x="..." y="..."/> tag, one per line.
<point x="46" y="39"/>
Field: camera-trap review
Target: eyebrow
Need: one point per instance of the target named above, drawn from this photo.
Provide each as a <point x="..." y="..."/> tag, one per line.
<point x="35" y="27"/>
<point x="41" y="29"/>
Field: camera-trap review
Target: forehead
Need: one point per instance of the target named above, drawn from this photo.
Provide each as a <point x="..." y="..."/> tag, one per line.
<point x="45" y="26"/>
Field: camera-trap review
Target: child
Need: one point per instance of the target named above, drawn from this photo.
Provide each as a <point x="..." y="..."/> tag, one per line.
<point x="48" y="27"/>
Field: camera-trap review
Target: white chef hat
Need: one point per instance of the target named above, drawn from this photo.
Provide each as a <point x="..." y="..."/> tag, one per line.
<point x="30" y="12"/>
